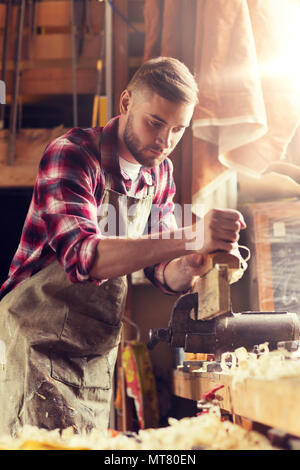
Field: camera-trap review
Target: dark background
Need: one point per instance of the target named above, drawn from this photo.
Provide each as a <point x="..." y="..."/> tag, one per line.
<point x="14" y="203"/>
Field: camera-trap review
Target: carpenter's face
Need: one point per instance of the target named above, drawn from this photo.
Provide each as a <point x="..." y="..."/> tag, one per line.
<point x="154" y="126"/>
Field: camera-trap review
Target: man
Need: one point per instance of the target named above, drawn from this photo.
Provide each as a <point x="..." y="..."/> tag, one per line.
<point x="62" y="305"/>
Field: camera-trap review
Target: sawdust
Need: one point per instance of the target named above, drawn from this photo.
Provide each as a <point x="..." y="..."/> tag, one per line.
<point x="269" y="365"/>
<point x="206" y="431"/>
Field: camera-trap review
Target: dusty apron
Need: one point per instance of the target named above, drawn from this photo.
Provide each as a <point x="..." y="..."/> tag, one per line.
<point x="62" y="339"/>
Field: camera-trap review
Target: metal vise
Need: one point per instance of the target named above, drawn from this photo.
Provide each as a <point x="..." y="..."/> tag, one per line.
<point x="225" y="332"/>
<point x="203" y="322"/>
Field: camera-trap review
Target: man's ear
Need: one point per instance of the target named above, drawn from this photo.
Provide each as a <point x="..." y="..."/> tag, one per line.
<point x="125" y="100"/>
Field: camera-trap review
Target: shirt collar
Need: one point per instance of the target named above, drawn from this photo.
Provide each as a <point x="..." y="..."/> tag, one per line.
<point x="148" y="174"/>
<point x="109" y="147"/>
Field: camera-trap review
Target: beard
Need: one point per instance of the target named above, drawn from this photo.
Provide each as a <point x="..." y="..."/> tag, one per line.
<point x="137" y="150"/>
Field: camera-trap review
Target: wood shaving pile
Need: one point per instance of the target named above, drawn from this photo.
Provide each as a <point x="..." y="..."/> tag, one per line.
<point x="206" y="431"/>
<point x="269" y="365"/>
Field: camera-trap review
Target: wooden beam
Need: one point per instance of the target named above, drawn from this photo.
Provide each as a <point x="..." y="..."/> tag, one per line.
<point x="58" y="14"/>
<point x="120" y="48"/>
<point x="16" y="86"/>
<point x="58" y="81"/>
<point x="55" y="63"/>
<point x="29" y="147"/>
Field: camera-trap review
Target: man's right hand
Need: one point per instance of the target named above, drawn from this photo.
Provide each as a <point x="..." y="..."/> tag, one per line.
<point x="221" y="231"/>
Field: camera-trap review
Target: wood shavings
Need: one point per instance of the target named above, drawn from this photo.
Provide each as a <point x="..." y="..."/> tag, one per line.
<point x="266" y="364"/>
<point x="206" y="431"/>
<point x="225" y="364"/>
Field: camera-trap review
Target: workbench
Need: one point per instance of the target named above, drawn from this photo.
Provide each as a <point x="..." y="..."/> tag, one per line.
<point x="273" y="403"/>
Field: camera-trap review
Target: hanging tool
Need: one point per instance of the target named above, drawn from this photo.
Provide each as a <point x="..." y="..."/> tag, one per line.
<point x="16" y="85"/>
<point x="140" y="380"/>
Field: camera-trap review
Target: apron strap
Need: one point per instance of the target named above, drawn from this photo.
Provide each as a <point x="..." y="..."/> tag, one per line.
<point x="108" y="181"/>
<point x="150" y="190"/>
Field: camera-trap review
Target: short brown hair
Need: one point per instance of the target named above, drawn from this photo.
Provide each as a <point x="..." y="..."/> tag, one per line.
<point x="167" y="77"/>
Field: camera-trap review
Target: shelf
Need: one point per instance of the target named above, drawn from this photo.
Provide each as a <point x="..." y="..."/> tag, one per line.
<point x="40" y="64"/>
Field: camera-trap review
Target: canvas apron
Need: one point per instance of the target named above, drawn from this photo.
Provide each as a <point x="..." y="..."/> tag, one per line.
<point x="62" y="339"/>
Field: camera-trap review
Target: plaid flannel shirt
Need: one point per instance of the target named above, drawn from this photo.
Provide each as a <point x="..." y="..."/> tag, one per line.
<point x="61" y="223"/>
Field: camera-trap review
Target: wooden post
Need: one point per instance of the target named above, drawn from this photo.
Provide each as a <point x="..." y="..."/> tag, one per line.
<point x="74" y="64"/>
<point x="15" y="94"/>
<point x="120" y="48"/>
<point x="8" y="17"/>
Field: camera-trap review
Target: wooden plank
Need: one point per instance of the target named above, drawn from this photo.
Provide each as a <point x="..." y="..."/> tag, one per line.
<point x="59" y="46"/>
<point x="52" y="81"/>
<point x="83" y="63"/>
<point x="274" y="403"/>
<point x="17" y="176"/>
<point x="59" y="13"/>
<point x="120" y="48"/>
<point x="55" y="46"/>
<point x="213" y="288"/>
<point x="213" y="294"/>
<point x="30" y="145"/>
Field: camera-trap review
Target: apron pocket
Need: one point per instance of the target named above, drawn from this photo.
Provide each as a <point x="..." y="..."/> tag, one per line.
<point x="85" y="336"/>
<point x="82" y="372"/>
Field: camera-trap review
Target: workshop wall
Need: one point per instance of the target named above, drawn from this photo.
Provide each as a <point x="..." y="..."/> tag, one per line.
<point x="41" y="82"/>
<point x="45" y="100"/>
